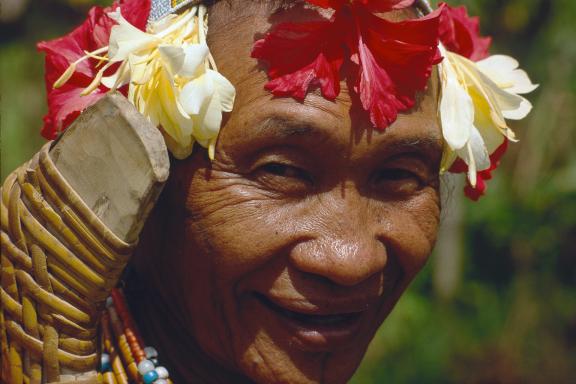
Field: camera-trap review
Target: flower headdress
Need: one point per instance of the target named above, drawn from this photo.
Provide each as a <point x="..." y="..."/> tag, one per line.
<point x="161" y="62"/>
<point x="158" y="59"/>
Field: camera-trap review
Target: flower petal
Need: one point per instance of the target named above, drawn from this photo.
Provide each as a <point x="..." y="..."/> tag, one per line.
<point x="520" y="112"/>
<point x="184" y="61"/>
<point x="224" y="89"/>
<point x="301" y="56"/>
<point x="196" y="93"/>
<point x="460" y="33"/>
<point x="194" y="57"/>
<point x="211" y="119"/>
<point x="496" y="66"/>
<point x="126" y="38"/>
<point x="456" y="109"/>
<point x="483" y="121"/>
<point x="475" y="155"/>
<point x="173" y="57"/>
<point x="503" y="70"/>
<point x="376" y="90"/>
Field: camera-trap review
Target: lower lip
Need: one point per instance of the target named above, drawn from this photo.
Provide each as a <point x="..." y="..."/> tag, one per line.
<point x="319" y="337"/>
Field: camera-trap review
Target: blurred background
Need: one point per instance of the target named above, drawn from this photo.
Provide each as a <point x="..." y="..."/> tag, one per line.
<point x="497" y="301"/>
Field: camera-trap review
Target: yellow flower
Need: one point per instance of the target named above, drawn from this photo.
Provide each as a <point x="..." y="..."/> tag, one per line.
<point x="171" y="77"/>
<point x="477" y="98"/>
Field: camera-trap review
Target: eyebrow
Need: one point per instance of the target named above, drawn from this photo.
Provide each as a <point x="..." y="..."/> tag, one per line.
<point x="429" y="143"/>
<point x="282" y="128"/>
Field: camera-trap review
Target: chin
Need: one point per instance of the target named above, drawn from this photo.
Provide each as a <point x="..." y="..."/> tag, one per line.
<point x="280" y="345"/>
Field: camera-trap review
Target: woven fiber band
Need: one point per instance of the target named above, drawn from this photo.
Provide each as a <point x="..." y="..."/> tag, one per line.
<point x="161" y="8"/>
<point x="59" y="262"/>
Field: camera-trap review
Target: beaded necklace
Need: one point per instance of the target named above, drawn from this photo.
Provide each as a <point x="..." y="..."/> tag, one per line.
<point x="125" y="358"/>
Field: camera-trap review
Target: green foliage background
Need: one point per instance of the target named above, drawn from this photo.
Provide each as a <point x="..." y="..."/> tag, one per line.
<point x="509" y="313"/>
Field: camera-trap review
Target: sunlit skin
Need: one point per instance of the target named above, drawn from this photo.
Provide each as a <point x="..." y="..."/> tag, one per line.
<point x="305" y="209"/>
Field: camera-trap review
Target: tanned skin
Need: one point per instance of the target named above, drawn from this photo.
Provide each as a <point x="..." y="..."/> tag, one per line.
<point x="306" y="208"/>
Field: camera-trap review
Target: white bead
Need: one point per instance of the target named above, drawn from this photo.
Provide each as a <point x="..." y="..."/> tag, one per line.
<point x="145" y="366"/>
<point x="160" y="381"/>
<point x="162" y="372"/>
<point x="109" y="302"/>
<point x="150" y="352"/>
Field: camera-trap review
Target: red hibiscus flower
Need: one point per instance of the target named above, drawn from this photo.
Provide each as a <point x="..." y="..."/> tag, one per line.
<point x="475" y="193"/>
<point x="391" y="61"/>
<point x="461" y="34"/>
<point x="66" y="103"/>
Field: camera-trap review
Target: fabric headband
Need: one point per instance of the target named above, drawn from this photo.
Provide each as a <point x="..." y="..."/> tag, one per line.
<point x="155" y="53"/>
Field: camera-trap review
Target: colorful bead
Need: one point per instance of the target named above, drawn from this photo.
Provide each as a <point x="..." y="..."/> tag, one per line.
<point x="150" y="377"/>
<point x="141" y="362"/>
<point x="150" y="352"/>
<point x="162" y="372"/>
<point x="105" y="365"/>
<point x="145" y="366"/>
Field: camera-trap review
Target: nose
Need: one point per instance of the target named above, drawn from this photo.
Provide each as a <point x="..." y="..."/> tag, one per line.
<point x="344" y="246"/>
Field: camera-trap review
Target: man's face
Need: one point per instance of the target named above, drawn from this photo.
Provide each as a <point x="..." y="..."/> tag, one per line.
<point x="291" y="248"/>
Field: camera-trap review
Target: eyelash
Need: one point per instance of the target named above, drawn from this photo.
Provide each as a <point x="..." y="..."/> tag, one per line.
<point x="397" y="174"/>
<point x="292" y="179"/>
<point x="398" y="180"/>
<point x="284" y="176"/>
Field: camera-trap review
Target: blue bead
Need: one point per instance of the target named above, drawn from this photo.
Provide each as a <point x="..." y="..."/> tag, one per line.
<point x="105" y="362"/>
<point x="150" y="377"/>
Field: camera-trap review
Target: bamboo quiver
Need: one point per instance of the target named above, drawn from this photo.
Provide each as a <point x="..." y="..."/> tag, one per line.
<point x="70" y="219"/>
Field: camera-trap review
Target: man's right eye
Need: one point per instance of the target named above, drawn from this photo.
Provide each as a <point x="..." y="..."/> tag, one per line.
<point x="284" y="170"/>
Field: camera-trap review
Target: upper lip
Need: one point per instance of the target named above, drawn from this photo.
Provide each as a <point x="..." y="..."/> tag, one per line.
<point x="321" y="307"/>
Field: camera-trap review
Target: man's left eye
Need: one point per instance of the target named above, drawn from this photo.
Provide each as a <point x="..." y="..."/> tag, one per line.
<point x="397" y="181"/>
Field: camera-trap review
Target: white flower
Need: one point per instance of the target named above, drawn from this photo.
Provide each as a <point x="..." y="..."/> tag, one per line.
<point x="171" y="77"/>
<point x="476" y="100"/>
<point x="503" y="70"/>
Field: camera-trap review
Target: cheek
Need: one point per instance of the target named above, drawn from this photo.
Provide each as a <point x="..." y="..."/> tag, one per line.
<point x="413" y="228"/>
<point x="239" y="227"/>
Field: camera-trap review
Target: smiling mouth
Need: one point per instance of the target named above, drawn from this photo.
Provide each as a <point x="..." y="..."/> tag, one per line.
<point x="316" y="331"/>
<point x="305" y="319"/>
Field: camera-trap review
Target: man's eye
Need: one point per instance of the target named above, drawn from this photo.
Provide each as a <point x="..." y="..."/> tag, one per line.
<point x="283" y="170"/>
<point x="284" y="177"/>
<point x="397" y="181"/>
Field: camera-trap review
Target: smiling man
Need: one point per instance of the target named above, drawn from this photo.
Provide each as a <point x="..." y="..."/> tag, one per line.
<point x="279" y="260"/>
<point x="307" y="141"/>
